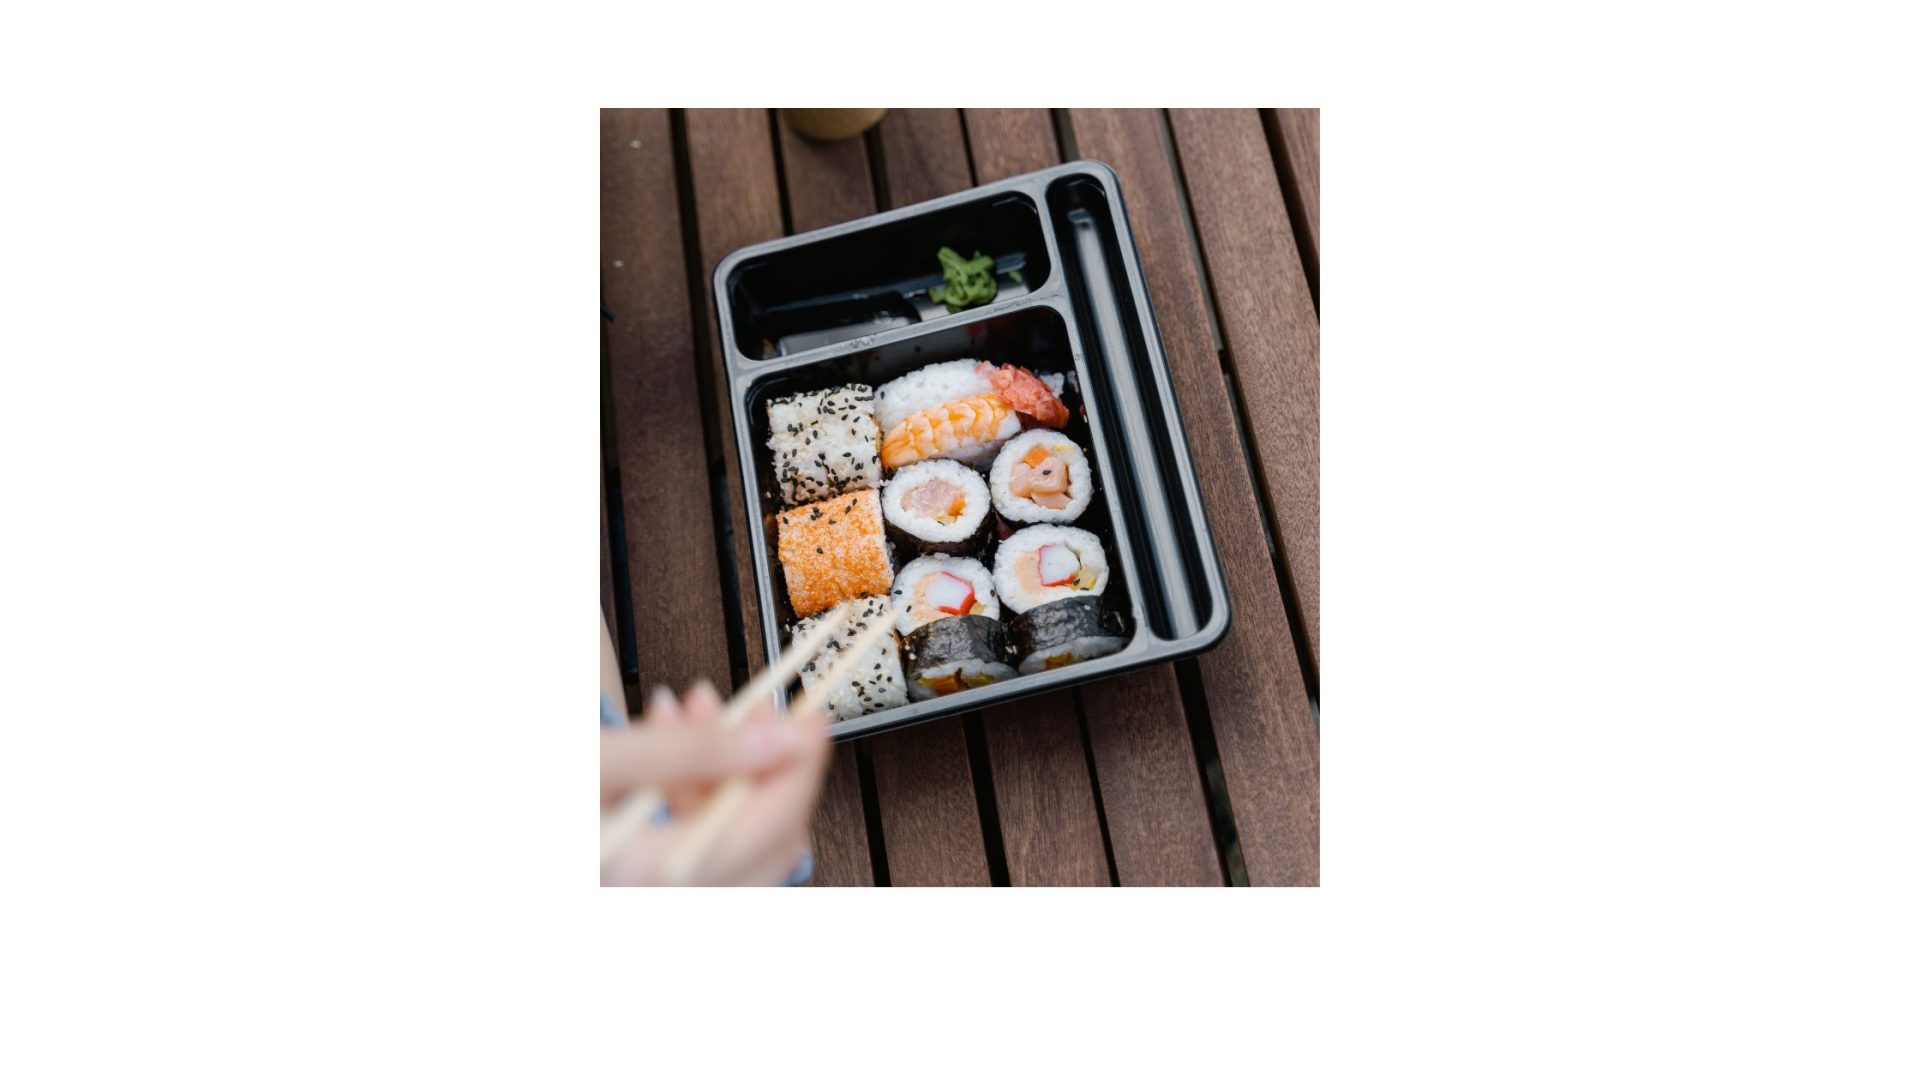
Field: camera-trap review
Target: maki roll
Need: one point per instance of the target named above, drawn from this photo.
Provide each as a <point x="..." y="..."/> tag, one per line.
<point x="877" y="682"/>
<point x="938" y="586"/>
<point x="1043" y="563"/>
<point x="1041" y="476"/>
<point x="938" y="506"/>
<point x="1052" y="577"/>
<point x="955" y="653"/>
<point x="824" y="442"/>
<point x="946" y="609"/>
<point x="1064" y="632"/>
<point x="834" y="550"/>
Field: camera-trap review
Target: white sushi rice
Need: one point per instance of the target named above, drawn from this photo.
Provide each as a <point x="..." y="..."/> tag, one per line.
<point x="974" y="489"/>
<point x="909" y="615"/>
<point x="972" y="672"/>
<point x="824" y="442"/>
<point x="1019" y="508"/>
<point x="1091" y="647"/>
<point x="1023" y="548"/>
<point x="877" y="681"/>
<point x="932" y="385"/>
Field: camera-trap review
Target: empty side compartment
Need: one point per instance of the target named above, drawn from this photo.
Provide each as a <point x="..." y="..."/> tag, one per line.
<point x="818" y="290"/>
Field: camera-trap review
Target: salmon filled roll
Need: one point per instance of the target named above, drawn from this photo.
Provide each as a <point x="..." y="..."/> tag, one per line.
<point x="938" y="506"/>
<point x="1041" y="476"/>
<point x="833" y="551"/>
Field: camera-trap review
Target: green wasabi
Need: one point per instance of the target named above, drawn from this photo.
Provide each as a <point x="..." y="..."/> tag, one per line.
<point x="969" y="281"/>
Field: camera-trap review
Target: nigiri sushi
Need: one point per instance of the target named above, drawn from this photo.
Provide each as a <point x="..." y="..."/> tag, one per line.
<point x="967" y="430"/>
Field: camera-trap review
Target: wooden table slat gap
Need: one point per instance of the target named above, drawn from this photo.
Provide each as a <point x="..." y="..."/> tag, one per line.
<point x="780" y="172"/>
<point x="1293" y="140"/>
<point x="1276" y="543"/>
<point x="870" y="802"/>
<point x="716" y="427"/>
<point x="966" y="145"/>
<point x="616" y="597"/>
<point x="1099" y="803"/>
<point x="1213" y="780"/>
<point x="877" y="168"/>
<point x="1063" y="134"/>
<point x="1191" y="230"/>
<point x="984" y="799"/>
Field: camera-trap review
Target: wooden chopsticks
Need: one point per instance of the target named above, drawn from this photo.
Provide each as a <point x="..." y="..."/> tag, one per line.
<point x="696" y="840"/>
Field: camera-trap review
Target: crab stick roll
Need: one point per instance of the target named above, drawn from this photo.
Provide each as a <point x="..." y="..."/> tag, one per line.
<point x="935" y="587"/>
<point x="956" y="653"/>
<point x="1064" y="632"/>
<point x="1041" y="476"/>
<point x="1043" y="563"/>
<point x="938" y="506"/>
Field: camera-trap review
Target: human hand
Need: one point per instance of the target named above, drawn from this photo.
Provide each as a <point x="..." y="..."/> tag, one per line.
<point x="679" y="748"/>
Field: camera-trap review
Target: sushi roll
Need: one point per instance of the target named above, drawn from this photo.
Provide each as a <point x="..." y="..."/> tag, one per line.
<point x="938" y="506"/>
<point x="1064" y="632"/>
<point x="955" y="653"/>
<point x="1041" y="476"/>
<point x="834" y="550"/>
<point x="945" y="608"/>
<point x="877" y="683"/>
<point x="935" y="587"/>
<point x="824" y="442"/>
<point x="1043" y="563"/>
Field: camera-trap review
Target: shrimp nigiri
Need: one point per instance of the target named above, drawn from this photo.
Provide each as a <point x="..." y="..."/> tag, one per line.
<point x="960" y="429"/>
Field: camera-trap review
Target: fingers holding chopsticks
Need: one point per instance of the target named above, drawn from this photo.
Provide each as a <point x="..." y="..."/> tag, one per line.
<point x="678" y="743"/>
<point x="765" y="837"/>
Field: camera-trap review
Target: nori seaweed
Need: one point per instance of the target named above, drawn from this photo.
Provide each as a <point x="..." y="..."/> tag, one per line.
<point x="954" y="638"/>
<point x="1056" y="623"/>
<point x="970" y="545"/>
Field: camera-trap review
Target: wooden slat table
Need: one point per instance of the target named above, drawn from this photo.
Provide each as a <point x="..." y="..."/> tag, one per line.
<point x="1202" y="772"/>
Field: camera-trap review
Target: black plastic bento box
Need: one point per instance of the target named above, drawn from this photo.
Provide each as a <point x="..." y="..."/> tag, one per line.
<point x="850" y="304"/>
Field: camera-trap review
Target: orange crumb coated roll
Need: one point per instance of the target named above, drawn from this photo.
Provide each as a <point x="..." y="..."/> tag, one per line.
<point x="834" y="550"/>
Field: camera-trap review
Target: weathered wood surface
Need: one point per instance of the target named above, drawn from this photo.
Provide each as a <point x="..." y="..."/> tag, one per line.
<point x="736" y="200"/>
<point x="925" y="151"/>
<point x="1298" y="133"/>
<point x="1266" y="315"/>
<point x="1008" y="142"/>
<point x="657" y="411"/>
